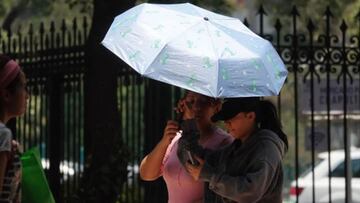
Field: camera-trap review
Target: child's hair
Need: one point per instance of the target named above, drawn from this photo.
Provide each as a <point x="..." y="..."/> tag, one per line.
<point x="267" y="118"/>
<point x="16" y="81"/>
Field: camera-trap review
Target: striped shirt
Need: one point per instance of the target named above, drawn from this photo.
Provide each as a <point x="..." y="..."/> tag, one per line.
<point x="11" y="185"/>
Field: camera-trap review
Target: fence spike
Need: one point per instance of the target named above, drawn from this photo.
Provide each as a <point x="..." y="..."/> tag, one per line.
<point x="328" y="12"/>
<point x="310" y="26"/>
<point x="246" y="23"/>
<point x="294" y="11"/>
<point x="42" y="28"/>
<point x="25" y="44"/>
<point x="20" y="39"/>
<point x="261" y="10"/>
<point x="75" y="24"/>
<point x="79" y="37"/>
<point x="57" y="40"/>
<point x="85" y="26"/>
<point x="19" y="30"/>
<point x="52" y="34"/>
<point x="75" y="31"/>
<point x="52" y="26"/>
<point x="278" y="25"/>
<point x="9" y="36"/>
<point x="36" y="43"/>
<point x="63" y="32"/>
<point x="343" y="26"/>
<point x="31" y="29"/>
<point x="69" y="38"/>
<point x="63" y="26"/>
<point x="14" y="45"/>
<point x="47" y="42"/>
<point x="85" y="23"/>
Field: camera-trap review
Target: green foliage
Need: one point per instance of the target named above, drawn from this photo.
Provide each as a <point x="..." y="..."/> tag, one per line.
<point x="218" y="6"/>
<point x="84" y="6"/>
<point x="36" y="11"/>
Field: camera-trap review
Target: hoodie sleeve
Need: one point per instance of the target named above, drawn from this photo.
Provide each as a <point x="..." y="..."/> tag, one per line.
<point x="244" y="188"/>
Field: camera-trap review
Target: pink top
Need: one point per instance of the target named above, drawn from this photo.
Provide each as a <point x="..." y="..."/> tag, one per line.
<point x="182" y="188"/>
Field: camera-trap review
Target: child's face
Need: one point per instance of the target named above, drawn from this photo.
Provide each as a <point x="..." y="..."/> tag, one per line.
<point x="241" y="125"/>
<point x="17" y="101"/>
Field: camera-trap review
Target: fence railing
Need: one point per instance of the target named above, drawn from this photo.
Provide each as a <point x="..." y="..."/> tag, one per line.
<point x="319" y="105"/>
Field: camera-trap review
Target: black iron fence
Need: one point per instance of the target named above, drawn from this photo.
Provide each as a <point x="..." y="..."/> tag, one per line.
<point x="319" y="107"/>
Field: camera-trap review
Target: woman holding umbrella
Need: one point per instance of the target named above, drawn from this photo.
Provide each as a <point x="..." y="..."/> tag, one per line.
<point x="163" y="160"/>
<point x="250" y="169"/>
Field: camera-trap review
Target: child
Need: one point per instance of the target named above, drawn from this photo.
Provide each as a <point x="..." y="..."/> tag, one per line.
<point x="13" y="99"/>
<point x="250" y="169"/>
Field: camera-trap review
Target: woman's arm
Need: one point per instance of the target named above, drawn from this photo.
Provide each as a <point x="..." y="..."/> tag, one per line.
<point x="3" y="164"/>
<point x="150" y="167"/>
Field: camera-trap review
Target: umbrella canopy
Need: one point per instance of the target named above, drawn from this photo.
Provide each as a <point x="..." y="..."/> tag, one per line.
<point x="195" y="49"/>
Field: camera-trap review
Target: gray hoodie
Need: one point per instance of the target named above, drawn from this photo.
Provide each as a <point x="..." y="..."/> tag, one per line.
<point x="246" y="172"/>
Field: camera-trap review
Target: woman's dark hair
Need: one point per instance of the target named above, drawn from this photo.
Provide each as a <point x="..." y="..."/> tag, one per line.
<point x="267" y="118"/>
<point x="13" y="84"/>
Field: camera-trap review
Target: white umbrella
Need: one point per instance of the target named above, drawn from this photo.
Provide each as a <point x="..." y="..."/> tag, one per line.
<point x="195" y="49"/>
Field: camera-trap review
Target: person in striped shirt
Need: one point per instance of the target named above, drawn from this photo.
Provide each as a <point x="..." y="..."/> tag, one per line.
<point x="13" y="100"/>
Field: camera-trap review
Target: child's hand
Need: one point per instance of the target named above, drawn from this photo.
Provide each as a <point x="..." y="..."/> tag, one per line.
<point x="194" y="171"/>
<point x="16" y="147"/>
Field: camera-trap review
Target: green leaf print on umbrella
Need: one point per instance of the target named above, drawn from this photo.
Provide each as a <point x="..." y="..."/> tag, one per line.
<point x="200" y="30"/>
<point x="190" y="81"/>
<point x="159" y="27"/>
<point x="277" y="70"/>
<point x="156" y="44"/>
<point x="218" y="33"/>
<point x="253" y="87"/>
<point x="131" y="18"/>
<point x="190" y="43"/>
<point x="164" y="58"/>
<point x="224" y="74"/>
<point x="277" y="73"/>
<point x="207" y="63"/>
<point x="256" y="64"/>
<point x="124" y="33"/>
<point x="134" y="56"/>
<point x="227" y="50"/>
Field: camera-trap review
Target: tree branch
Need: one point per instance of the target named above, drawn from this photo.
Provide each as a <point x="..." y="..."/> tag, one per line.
<point x="14" y="13"/>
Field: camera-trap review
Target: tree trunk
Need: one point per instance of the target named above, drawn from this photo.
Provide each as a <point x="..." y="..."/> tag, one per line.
<point x="102" y="179"/>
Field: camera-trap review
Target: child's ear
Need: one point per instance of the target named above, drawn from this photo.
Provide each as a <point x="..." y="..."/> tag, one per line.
<point x="251" y="115"/>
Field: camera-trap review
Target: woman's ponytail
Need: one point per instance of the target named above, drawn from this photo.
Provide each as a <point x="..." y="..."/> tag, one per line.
<point x="267" y="118"/>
